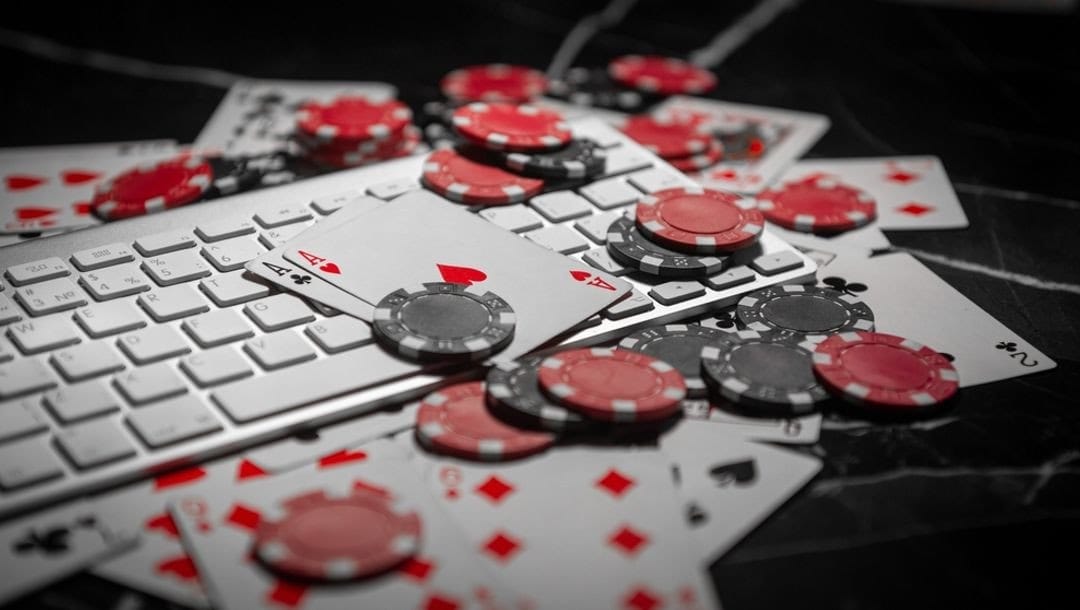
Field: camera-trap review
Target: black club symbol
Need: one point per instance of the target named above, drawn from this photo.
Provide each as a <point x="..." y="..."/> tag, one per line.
<point x="1008" y="346"/>
<point x="300" y="279"/>
<point x="839" y="283"/>
<point x="725" y="320"/>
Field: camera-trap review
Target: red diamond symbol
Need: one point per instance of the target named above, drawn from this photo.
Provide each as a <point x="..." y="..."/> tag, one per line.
<point x="642" y="599"/>
<point x="439" y="602"/>
<point x="899" y="175"/>
<point x="615" y="483"/>
<point x="417" y="568"/>
<point x="494" y="489"/>
<point x="915" y="209"/>
<point x="502" y="546"/>
<point x="628" y="540"/>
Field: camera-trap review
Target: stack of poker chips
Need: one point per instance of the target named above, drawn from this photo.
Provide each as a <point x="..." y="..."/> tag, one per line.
<point x="353" y="131"/>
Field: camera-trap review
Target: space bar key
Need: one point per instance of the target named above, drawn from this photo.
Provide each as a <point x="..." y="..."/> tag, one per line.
<point x="309" y="382"/>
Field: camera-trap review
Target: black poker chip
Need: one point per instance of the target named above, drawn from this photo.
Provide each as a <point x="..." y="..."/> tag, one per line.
<point x="513" y="394"/>
<point x="767" y="376"/>
<point x="803" y="310"/>
<point x="680" y="346"/>
<point x="595" y="88"/>
<point x="581" y="158"/>
<point x="629" y="247"/>
<point x="443" y="321"/>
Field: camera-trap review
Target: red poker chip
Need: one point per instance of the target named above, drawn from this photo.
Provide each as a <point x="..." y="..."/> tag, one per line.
<point x="494" y="83"/>
<point x="613" y="384"/>
<point x="663" y="75"/>
<point x="318" y="537"/>
<point x="456" y="421"/>
<point x="461" y="179"/>
<point x="884" y="371"/>
<point x="692" y="163"/>
<point x="699" y="221"/>
<point x="668" y="139"/>
<point x="352" y="157"/>
<point x="153" y="187"/>
<point x="371" y="148"/>
<point x="818" y="206"/>
<point x="512" y="128"/>
<point x="352" y="119"/>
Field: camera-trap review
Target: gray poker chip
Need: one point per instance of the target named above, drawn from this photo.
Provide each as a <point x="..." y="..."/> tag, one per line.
<point x="513" y="394"/>
<point x="803" y="310"/>
<point x="579" y="159"/>
<point x="767" y="376"/>
<point x="443" y="321"/>
<point x="680" y="346"/>
<point x="629" y="247"/>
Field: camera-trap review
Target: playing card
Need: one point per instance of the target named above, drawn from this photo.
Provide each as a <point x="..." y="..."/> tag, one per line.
<point x="867" y="239"/>
<point x="421" y="237"/>
<point x="220" y="530"/>
<point x="803" y="430"/>
<point x="50" y="188"/>
<point x="911" y="301"/>
<point x="48" y="545"/>
<point x="257" y="116"/>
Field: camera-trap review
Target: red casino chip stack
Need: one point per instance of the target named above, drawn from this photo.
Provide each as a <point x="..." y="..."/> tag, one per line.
<point x="153" y="188"/>
<point x="663" y="75"/>
<point x="459" y="178"/>
<point x="352" y="131"/>
<point x="819" y="205"/>
<point x="699" y="221"/>
<point x="511" y="128"/>
<point x="687" y="145"/>
<point x="493" y="83"/>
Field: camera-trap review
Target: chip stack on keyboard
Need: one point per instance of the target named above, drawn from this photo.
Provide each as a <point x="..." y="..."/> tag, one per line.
<point x="352" y="131"/>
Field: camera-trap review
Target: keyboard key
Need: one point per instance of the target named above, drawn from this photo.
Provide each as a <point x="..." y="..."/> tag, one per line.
<point x="175" y="268"/>
<point x="635" y="303"/>
<point x="50" y="296"/>
<point x="730" y="278"/>
<point x="559" y="238"/>
<point x="152" y="344"/>
<point x="215" y="366"/>
<point x="160" y="243"/>
<point x="610" y="193"/>
<point x="174" y="302"/>
<point x="595" y="226"/>
<point x="37" y="271"/>
<point x="36" y="336"/>
<point x="604" y="137"/>
<point x="560" y="206"/>
<point x="279" y="311"/>
<point x="27" y="462"/>
<point x="104" y="319"/>
<point x="771" y="264"/>
<point x="291" y="387"/>
<point x="277" y="350"/>
<point x="9" y="312"/>
<point x="273" y="238"/>
<point x="24" y="376"/>
<point x="332" y="203"/>
<point x="87" y="360"/>
<point x="217" y="327"/>
<point x="284" y="215"/>
<point x="21" y="418"/>
<point x="516" y="218"/>
<point x="172" y="421"/>
<point x="231" y="254"/>
<point x="393" y="188"/>
<point x="113" y="282"/>
<point x="81" y="401"/>
<point x="102" y="256"/>
<point x="6" y="352"/>
<point x="232" y="289"/>
<point x="94" y="443"/>
<point x="149" y="383"/>
<point x="653" y="180"/>
<point x="224" y="229"/>
<point x="625" y="159"/>
<point x="670" y="293"/>
<point x="339" y="334"/>
<point x="601" y="259"/>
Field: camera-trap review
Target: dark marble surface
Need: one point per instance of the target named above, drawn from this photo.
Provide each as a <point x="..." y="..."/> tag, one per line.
<point x="976" y="508"/>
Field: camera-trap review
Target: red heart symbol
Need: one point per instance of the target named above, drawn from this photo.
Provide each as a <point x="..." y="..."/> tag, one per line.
<point x="182" y="567"/>
<point x="164" y="523"/>
<point x="78" y="176"/>
<point x="461" y="275"/>
<point x="30" y="213"/>
<point x="580" y="276"/>
<point x="21" y="182"/>
<point x="330" y="268"/>
<point x="248" y="470"/>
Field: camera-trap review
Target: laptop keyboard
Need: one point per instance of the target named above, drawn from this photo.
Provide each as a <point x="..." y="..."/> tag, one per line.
<point x="142" y="345"/>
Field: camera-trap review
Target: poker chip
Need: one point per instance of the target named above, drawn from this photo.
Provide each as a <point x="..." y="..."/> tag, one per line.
<point x="352" y="119"/>
<point x="680" y="346"/>
<point x="324" y="538"/>
<point x="806" y="310"/>
<point x="668" y="138"/>
<point x="440" y="320"/>
<point x="579" y="159"/>
<point x="767" y="376"/>
<point x="712" y="155"/>
<point x="455" y="421"/>
<point x="594" y="88"/>
<point x="883" y="371"/>
<point x="821" y="205"/>
<point x="153" y="187"/>
<point x="494" y="83"/>
<point x="698" y="220"/>
<point x="369" y="153"/>
<point x="513" y="393"/>
<point x="613" y="384"/>
<point x="630" y="248"/>
<point x="465" y="180"/>
<point x="663" y="75"/>
<point x="512" y="128"/>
